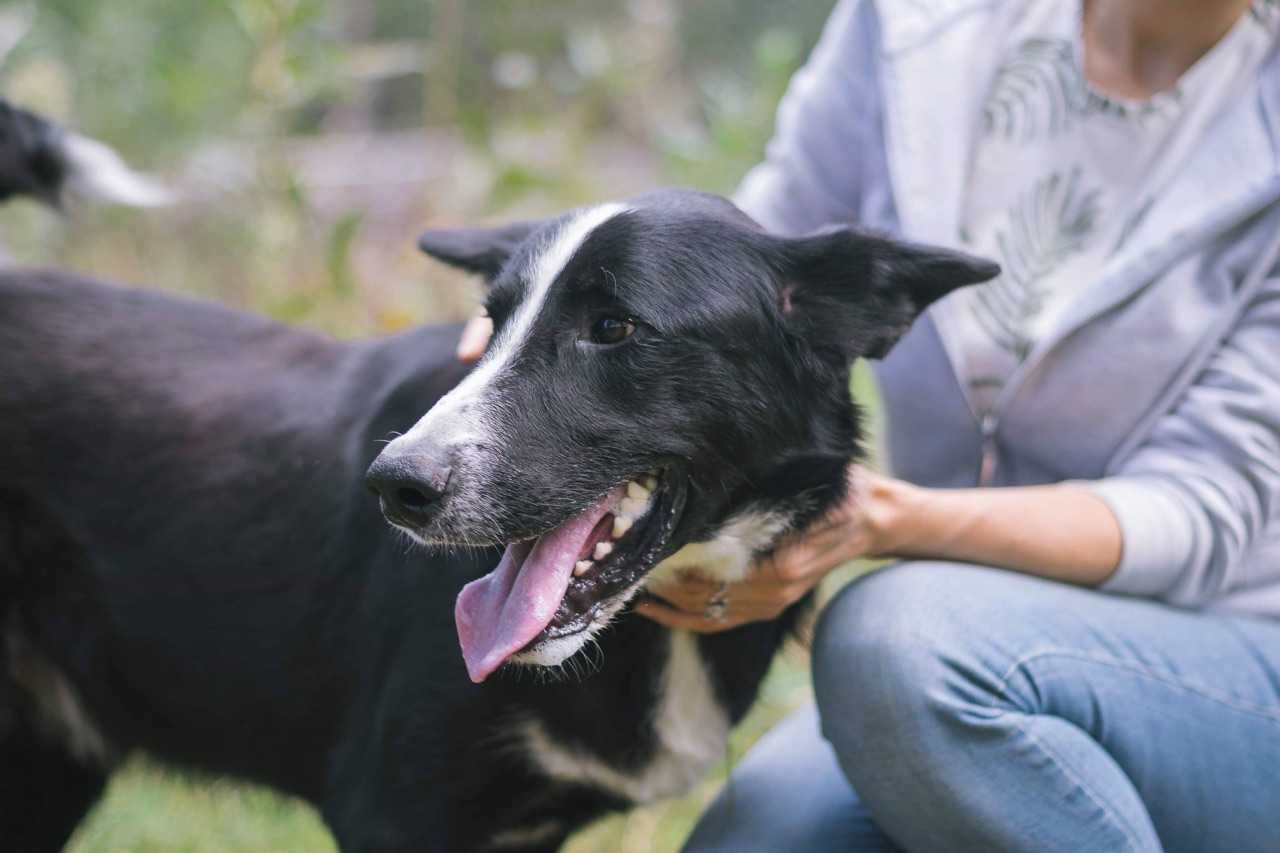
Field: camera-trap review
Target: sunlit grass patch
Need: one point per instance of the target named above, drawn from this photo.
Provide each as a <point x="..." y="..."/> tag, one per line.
<point x="148" y="809"/>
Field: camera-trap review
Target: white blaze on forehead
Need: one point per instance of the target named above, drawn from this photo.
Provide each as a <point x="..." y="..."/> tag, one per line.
<point x="542" y="272"/>
<point x="456" y="418"/>
<point x="555" y="255"/>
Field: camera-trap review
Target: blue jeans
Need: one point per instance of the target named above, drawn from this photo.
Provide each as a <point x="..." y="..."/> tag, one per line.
<point x="979" y="710"/>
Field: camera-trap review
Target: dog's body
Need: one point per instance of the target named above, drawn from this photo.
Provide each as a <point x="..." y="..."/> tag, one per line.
<point x="189" y="563"/>
<point x="185" y="542"/>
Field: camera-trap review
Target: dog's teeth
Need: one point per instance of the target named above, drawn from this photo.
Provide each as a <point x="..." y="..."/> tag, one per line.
<point x="633" y="508"/>
<point x="581" y="567"/>
<point x="603" y="549"/>
<point x="637" y="492"/>
<point x="621" y="524"/>
<point x="649" y="481"/>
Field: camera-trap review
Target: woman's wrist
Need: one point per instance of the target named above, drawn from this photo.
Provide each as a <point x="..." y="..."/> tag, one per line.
<point x="883" y="507"/>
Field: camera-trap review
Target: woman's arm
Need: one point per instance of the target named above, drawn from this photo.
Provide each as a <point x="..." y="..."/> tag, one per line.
<point x="1063" y="532"/>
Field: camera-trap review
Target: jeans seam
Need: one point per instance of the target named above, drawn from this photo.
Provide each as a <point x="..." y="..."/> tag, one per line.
<point x="1110" y="814"/>
<point x="1164" y="677"/>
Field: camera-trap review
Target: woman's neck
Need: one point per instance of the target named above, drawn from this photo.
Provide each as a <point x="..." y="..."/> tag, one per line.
<point x="1136" y="48"/>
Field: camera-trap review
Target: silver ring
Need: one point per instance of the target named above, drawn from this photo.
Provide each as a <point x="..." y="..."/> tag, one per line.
<point x="717" y="608"/>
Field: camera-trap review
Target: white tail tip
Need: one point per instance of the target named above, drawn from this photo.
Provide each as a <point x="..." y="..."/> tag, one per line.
<point x="97" y="172"/>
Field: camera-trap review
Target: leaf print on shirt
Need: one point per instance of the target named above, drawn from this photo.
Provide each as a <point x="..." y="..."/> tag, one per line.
<point x="1050" y="222"/>
<point x="1040" y="90"/>
<point x="1034" y="91"/>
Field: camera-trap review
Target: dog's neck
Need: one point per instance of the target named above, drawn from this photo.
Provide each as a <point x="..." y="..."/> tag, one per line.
<point x="806" y="487"/>
<point x="728" y="554"/>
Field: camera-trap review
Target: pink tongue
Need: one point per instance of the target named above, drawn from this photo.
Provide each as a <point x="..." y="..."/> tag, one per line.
<point x="501" y="612"/>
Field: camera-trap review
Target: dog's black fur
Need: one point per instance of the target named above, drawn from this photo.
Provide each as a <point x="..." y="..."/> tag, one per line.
<point x="190" y="564"/>
<point x="31" y="156"/>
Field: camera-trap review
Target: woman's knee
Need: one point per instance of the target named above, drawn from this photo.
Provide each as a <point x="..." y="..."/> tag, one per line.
<point x="874" y="642"/>
<point x="903" y="650"/>
<point x="788" y="793"/>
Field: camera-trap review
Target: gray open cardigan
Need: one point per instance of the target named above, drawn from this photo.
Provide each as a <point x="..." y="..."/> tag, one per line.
<point x="1160" y="386"/>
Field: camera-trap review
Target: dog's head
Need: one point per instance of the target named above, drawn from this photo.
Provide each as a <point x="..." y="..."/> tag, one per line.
<point x="662" y="370"/>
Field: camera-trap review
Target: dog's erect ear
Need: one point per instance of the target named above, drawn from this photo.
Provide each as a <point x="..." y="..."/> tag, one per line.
<point x="858" y="292"/>
<point x="483" y="251"/>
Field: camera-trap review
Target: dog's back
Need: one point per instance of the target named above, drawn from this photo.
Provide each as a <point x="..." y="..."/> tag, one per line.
<point x="117" y="406"/>
<point x="87" y="357"/>
<point x="179" y="535"/>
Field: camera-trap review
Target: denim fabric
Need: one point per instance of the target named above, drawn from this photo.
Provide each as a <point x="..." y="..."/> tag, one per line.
<point x="979" y="710"/>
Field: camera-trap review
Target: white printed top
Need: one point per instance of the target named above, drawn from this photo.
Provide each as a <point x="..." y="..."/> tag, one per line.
<point x="1062" y="176"/>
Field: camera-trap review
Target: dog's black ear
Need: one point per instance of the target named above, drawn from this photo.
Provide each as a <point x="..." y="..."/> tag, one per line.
<point x="858" y="293"/>
<point x="483" y="251"/>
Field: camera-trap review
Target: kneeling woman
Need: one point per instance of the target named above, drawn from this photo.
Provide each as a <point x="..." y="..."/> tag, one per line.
<point x="1081" y="647"/>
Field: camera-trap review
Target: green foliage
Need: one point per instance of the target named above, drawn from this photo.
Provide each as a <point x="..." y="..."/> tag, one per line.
<point x="164" y="75"/>
<point x="192" y="78"/>
<point x="739" y="114"/>
<point x="341" y="238"/>
<point x="738" y="89"/>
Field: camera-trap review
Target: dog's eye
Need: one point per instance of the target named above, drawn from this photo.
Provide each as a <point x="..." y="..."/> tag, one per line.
<point x="612" y="330"/>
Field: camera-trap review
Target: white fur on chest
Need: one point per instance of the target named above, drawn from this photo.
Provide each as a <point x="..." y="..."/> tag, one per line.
<point x="691" y="728"/>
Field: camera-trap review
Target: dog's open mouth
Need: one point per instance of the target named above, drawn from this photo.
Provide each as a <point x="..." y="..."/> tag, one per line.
<point x="548" y="593"/>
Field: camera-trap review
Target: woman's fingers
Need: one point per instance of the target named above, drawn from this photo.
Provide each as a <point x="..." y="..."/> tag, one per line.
<point x="687" y="592"/>
<point x="680" y="620"/>
<point x="700" y="623"/>
<point x="805" y="559"/>
<point x="774" y="583"/>
<point x="694" y="604"/>
<point x="475" y="337"/>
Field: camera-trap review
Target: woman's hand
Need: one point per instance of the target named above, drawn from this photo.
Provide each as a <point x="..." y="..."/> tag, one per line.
<point x="850" y="531"/>
<point x="1062" y="531"/>
<point x="475" y="337"/>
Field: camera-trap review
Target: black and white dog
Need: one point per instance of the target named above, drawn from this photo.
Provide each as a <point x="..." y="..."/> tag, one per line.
<point x="47" y="162"/>
<point x="190" y="564"/>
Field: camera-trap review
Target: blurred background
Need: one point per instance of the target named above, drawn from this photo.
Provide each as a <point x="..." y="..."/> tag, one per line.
<point x="309" y="141"/>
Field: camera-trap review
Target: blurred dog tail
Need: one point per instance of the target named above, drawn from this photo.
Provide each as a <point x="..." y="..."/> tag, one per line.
<point x="41" y="160"/>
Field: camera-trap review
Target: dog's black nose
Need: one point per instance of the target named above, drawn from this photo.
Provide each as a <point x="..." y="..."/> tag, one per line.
<point x="411" y="485"/>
